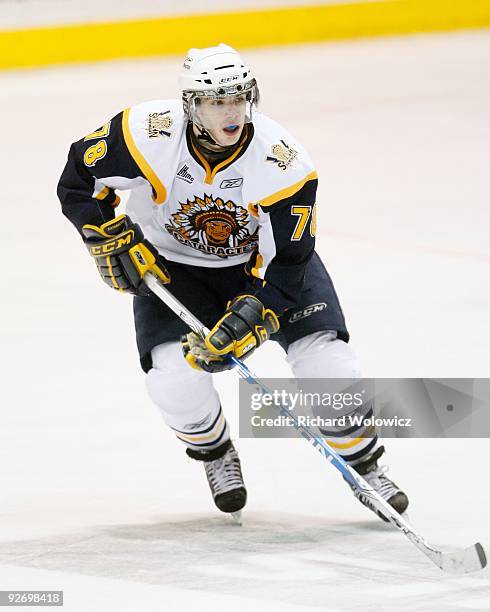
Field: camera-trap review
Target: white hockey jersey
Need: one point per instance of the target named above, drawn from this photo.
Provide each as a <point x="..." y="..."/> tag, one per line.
<point x="256" y="206"/>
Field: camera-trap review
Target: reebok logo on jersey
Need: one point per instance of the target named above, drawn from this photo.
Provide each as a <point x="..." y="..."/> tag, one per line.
<point x="231" y="183"/>
<point x="184" y="174"/>
<point x="306" y="312"/>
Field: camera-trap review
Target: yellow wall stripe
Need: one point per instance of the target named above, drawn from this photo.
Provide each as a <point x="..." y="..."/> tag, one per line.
<point x="174" y="35"/>
<point x="155" y="182"/>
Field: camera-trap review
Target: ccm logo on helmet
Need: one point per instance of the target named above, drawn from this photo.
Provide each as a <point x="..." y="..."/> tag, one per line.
<point x="306" y="312"/>
<point x="230" y="79"/>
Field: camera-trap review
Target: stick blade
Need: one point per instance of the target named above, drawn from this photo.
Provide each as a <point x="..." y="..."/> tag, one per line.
<point x="466" y="561"/>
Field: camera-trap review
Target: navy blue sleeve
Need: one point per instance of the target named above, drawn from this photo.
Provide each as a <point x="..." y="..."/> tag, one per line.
<point x="102" y="154"/>
<point x="286" y="245"/>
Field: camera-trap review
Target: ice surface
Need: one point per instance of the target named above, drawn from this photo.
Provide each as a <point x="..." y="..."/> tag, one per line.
<point x="97" y="497"/>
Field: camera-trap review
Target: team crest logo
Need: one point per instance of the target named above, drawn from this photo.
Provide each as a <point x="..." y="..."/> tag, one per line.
<point x="283" y="155"/>
<point x="213" y="226"/>
<point x="158" y="124"/>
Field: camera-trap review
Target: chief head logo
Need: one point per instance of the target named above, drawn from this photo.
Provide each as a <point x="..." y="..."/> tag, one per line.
<point x="213" y="226"/>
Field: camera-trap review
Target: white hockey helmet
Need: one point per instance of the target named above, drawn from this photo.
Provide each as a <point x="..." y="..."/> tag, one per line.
<point x="215" y="72"/>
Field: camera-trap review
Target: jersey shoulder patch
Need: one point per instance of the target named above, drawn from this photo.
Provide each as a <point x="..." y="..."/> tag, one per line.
<point x="156" y="120"/>
<point x="281" y="166"/>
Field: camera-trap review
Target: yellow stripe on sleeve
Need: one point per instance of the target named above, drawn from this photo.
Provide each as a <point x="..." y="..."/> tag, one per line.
<point x="151" y="177"/>
<point x="287" y="192"/>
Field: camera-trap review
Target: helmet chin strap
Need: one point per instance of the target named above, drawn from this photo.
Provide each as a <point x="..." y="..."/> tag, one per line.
<point x="206" y="141"/>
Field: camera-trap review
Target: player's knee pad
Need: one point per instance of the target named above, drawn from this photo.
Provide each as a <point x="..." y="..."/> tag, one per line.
<point x="182" y="394"/>
<point x="323" y="355"/>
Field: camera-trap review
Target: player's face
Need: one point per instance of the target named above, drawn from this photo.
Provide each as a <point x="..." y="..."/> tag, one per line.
<point x="223" y="118"/>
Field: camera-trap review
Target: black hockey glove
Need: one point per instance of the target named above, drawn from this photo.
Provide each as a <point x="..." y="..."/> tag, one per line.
<point x="245" y="325"/>
<point x="123" y="255"/>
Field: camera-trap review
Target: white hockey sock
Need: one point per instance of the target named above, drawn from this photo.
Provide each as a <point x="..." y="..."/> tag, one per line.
<point x="322" y="355"/>
<point x="186" y="398"/>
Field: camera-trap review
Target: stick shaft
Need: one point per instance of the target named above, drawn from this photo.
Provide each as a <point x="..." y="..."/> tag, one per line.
<point x="463" y="561"/>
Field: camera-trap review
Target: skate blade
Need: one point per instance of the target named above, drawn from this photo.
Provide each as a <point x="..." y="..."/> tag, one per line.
<point x="237" y="517"/>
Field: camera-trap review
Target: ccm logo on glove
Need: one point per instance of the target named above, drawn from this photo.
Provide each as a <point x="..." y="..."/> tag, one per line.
<point x="123" y="255"/>
<point x="113" y="245"/>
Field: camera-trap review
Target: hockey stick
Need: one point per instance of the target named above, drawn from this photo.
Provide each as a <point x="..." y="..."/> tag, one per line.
<point x="460" y="561"/>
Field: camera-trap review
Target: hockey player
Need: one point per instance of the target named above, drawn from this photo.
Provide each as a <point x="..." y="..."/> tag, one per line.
<point x="222" y="210"/>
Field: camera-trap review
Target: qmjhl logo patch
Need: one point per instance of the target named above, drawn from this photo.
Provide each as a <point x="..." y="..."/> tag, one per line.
<point x="184" y="174"/>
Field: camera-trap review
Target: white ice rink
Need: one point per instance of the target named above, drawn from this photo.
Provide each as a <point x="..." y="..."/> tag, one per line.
<point x="97" y="497"/>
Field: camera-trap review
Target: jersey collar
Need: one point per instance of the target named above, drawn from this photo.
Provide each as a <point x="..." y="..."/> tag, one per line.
<point x="221" y="161"/>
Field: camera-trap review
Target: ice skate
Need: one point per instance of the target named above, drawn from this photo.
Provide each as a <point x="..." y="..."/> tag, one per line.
<point x="224" y="474"/>
<point x="374" y="475"/>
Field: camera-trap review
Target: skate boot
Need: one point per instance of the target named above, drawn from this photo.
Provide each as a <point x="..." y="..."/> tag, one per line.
<point x="224" y="475"/>
<point x="374" y="475"/>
